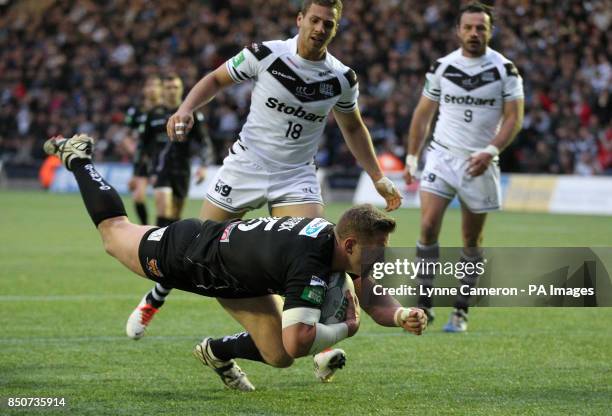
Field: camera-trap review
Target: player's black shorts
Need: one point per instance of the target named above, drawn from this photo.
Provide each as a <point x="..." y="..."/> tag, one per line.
<point x="177" y="180"/>
<point x="163" y="254"/>
<point x="142" y="169"/>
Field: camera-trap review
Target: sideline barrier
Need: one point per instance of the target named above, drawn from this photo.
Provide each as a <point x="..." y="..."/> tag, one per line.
<point x="118" y="175"/>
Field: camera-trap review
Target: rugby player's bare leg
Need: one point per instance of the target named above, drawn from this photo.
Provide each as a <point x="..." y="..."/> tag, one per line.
<point x="177" y="207"/>
<point x="138" y="185"/>
<point x="121" y="240"/>
<point x="210" y="211"/>
<point x="309" y="210"/>
<point x="472" y="225"/>
<point x="139" y="188"/>
<point x="261" y="317"/>
<point x="163" y="205"/>
<point x="433" y="208"/>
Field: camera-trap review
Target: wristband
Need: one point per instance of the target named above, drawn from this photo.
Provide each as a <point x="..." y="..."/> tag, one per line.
<point x="387" y="183"/>
<point x="412" y="162"/>
<point x="401" y="314"/>
<point x="491" y="149"/>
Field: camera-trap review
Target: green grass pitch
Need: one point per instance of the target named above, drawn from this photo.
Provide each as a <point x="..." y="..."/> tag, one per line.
<point x="64" y="302"/>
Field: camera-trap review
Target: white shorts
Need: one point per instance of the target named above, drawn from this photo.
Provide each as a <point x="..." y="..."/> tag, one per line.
<point x="243" y="184"/>
<point x="445" y="174"/>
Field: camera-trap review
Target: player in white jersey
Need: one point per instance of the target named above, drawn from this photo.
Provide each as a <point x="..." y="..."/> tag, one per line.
<point x="297" y="83"/>
<point x="479" y="95"/>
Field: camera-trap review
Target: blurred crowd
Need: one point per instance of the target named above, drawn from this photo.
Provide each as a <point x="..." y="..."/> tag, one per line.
<point x="68" y="66"/>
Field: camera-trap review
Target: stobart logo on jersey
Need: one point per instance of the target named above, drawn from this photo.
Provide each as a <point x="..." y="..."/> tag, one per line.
<point x="468" y="100"/>
<point x="299" y="112"/>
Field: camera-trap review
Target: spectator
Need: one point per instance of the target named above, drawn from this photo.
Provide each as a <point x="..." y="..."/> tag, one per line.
<point x="71" y="64"/>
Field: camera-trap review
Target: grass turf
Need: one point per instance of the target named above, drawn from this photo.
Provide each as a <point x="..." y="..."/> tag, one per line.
<point x="63" y="305"/>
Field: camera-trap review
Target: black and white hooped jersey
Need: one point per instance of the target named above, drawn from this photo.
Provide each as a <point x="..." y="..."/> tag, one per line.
<point x="291" y="100"/>
<point x="471" y="93"/>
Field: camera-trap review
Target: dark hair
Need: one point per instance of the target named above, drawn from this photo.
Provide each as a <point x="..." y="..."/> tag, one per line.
<point x="333" y="4"/>
<point x="365" y="222"/>
<point x="476" y="7"/>
<point x="171" y="76"/>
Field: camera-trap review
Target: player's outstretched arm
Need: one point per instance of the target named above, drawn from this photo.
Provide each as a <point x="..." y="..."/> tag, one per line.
<point x="387" y="311"/>
<point x="419" y="130"/>
<point x="304" y="335"/>
<point x="360" y="144"/>
<point x="181" y="122"/>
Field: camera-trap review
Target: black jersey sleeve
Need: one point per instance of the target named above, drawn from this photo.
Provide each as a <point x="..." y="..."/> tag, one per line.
<point x="306" y="288"/>
<point x="308" y="275"/>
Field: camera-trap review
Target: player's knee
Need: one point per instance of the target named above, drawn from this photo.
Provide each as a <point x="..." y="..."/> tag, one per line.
<point x="278" y="359"/>
<point x="109" y="246"/>
<point x="107" y="229"/>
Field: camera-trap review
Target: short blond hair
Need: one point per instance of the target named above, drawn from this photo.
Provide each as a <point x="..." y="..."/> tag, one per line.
<point x="364" y="222"/>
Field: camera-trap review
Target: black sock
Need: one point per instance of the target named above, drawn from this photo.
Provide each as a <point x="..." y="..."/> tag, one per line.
<point x="141" y="210"/>
<point x="470" y="279"/>
<point x="157" y="296"/>
<point x="427" y="255"/>
<point x="240" y="345"/>
<point x="101" y="199"/>
<point x="164" y="222"/>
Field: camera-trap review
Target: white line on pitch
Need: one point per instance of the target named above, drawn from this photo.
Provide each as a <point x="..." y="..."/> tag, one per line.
<point x="77" y="298"/>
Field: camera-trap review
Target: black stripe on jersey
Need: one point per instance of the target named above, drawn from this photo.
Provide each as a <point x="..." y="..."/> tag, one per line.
<point x="345" y="105"/>
<point x="471" y="82"/>
<point x="303" y="91"/>
<point x="237" y="74"/>
<point x="351" y="77"/>
<point x="511" y="70"/>
<point x="433" y="67"/>
<point x="259" y="50"/>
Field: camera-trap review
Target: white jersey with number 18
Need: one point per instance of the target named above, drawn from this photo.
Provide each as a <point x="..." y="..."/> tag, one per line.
<point x="291" y="100"/>
<point x="471" y="93"/>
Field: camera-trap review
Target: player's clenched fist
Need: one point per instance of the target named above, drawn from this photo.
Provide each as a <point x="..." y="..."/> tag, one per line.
<point x="179" y="124"/>
<point x="412" y="320"/>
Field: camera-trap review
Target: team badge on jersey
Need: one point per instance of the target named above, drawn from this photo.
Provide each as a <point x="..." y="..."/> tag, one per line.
<point x="238" y="59"/>
<point x="315" y="291"/>
<point x="314" y="227"/>
<point x="227" y="231"/>
<point x="326" y="89"/>
<point x="153" y="268"/>
<point x="157" y="234"/>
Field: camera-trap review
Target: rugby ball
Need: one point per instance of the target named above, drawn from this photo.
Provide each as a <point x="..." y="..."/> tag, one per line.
<point x="334" y="306"/>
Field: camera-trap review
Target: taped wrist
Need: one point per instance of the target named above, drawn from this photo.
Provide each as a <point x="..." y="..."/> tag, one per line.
<point x="412" y="163"/>
<point x="490" y="149"/>
<point x="387" y="183"/>
<point x="400" y="316"/>
<point x="328" y="335"/>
